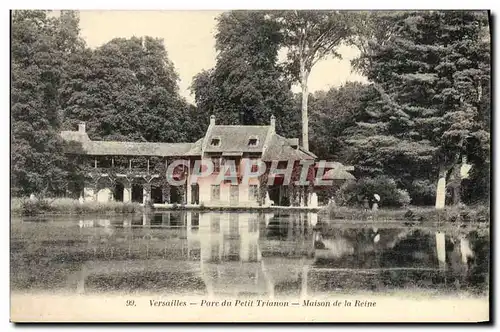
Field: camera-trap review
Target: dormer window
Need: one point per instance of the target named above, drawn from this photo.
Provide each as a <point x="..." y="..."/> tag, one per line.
<point x="215" y="141"/>
<point x="253" y="142"/>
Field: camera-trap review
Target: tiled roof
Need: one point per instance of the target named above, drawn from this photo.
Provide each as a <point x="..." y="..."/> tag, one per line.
<point x="195" y="149"/>
<point x="236" y="138"/>
<point x="338" y="174"/>
<point x="279" y="148"/>
<point x="100" y="148"/>
<point x="137" y="148"/>
<point x="68" y="135"/>
<point x="233" y="139"/>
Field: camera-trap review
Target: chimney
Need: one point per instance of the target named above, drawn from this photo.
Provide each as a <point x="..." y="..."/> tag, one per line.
<point x="294" y="142"/>
<point x="81" y="127"/>
<point x="273" y="122"/>
<point x="212" y="120"/>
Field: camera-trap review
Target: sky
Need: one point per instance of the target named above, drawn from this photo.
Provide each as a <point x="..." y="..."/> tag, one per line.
<point x="189" y="38"/>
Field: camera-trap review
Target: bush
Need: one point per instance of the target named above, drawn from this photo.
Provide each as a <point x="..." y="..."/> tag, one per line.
<point x="423" y="192"/>
<point x="34" y="207"/>
<point x="29" y="207"/>
<point x="352" y="193"/>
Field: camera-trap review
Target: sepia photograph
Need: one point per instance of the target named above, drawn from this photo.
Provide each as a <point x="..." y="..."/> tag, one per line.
<point x="292" y="166"/>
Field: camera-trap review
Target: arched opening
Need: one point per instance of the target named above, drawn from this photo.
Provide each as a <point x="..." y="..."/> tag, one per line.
<point x="137" y="193"/>
<point x="156" y="195"/>
<point x="118" y="192"/>
<point x="176" y="195"/>
<point x="195" y="194"/>
<point x="104" y="189"/>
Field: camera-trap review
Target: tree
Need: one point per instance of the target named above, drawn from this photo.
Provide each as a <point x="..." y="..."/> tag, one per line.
<point x="429" y="79"/>
<point x="310" y="36"/>
<point x="247" y="85"/>
<point x="40" y="45"/>
<point x="126" y="90"/>
<point x="372" y="29"/>
<point x="333" y="113"/>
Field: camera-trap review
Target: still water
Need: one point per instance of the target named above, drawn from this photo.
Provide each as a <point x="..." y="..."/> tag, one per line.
<point x="241" y="254"/>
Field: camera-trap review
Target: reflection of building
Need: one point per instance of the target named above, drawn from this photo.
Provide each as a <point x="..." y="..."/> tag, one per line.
<point x="245" y="254"/>
<point x="232" y="259"/>
<point x="220" y="250"/>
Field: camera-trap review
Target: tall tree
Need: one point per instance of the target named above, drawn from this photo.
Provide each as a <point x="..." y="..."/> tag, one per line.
<point x="247" y="85"/>
<point x="310" y="36"/>
<point x="429" y="78"/>
<point x="127" y="90"/>
<point x="372" y="29"/>
<point x="40" y="45"/>
<point x="334" y="112"/>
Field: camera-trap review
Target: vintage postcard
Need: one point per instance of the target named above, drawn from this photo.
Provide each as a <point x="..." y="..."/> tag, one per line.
<point x="250" y="166"/>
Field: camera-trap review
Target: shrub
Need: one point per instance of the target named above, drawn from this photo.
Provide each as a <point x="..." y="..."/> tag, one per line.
<point x="403" y="197"/>
<point x="34" y="207"/>
<point x="69" y="206"/>
<point x="423" y="192"/>
<point x="352" y="193"/>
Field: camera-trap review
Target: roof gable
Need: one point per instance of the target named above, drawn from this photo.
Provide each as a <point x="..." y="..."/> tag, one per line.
<point x="78" y="136"/>
<point x="237" y="138"/>
<point x="280" y="148"/>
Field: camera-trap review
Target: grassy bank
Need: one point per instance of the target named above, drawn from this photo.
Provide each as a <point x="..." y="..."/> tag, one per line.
<point x="27" y="207"/>
<point x="412" y="214"/>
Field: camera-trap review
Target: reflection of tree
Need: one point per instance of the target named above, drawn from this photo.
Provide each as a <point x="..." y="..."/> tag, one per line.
<point x="407" y="258"/>
<point x="479" y="264"/>
<point x="402" y="258"/>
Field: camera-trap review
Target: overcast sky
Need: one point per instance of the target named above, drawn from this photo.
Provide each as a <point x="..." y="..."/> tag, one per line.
<point x="189" y="40"/>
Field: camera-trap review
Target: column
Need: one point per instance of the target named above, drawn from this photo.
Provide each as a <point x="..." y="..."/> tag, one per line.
<point x="302" y="196"/>
<point x="88" y="194"/>
<point x="165" y="192"/>
<point x="127" y="192"/>
<point x="189" y="189"/>
<point x="146" y="193"/>
<point x="145" y="220"/>
<point x="183" y="193"/>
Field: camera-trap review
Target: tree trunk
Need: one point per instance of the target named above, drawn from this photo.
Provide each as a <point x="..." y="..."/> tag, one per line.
<point x="304" y="75"/>
<point x="441" y="190"/>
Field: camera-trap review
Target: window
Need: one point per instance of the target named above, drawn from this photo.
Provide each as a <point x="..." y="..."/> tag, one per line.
<point x="216" y="162"/>
<point x="215" y="192"/>
<point x="253" y="142"/>
<point x="253" y="192"/>
<point x="229" y="163"/>
<point x="254" y="162"/>
<point x="215" y="141"/>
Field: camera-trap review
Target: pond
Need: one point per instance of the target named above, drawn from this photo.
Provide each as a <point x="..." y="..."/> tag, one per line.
<point x="241" y="254"/>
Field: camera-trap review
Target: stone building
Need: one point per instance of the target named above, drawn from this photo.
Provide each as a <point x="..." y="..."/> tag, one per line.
<point x="138" y="171"/>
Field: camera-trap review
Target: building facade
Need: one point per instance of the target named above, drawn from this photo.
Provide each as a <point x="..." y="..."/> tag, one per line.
<point x="139" y="171"/>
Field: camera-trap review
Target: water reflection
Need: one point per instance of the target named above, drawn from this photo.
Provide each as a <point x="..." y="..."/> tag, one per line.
<point x="240" y="254"/>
